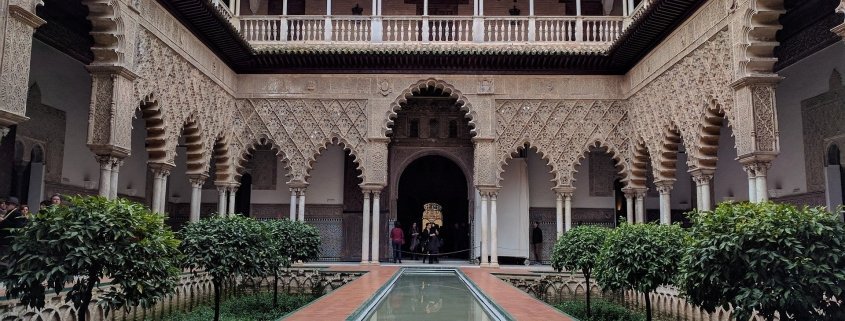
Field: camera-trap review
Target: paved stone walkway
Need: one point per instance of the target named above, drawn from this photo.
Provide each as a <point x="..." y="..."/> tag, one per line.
<point x="341" y="303"/>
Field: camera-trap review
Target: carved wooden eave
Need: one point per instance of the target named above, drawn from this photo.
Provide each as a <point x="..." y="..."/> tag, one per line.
<point x="646" y="31"/>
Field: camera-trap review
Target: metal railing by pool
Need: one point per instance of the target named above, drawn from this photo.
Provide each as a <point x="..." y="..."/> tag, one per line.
<point x="429" y="294"/>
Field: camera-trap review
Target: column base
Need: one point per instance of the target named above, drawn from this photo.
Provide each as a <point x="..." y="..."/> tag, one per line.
<point x="494" y="265"/>
<point x="375" y="263"/>
<point x="484" y="265"/>
<point x="365" y="263"/>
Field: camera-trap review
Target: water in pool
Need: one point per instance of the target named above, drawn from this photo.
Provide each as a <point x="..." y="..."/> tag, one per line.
<point x="440" y="296"/>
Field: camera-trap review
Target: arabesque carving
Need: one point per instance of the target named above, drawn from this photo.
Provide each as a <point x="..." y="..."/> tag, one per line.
<point x="562" y="131"/>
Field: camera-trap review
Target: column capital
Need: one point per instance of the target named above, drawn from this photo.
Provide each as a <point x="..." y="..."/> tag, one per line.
<point x="197" y="180"/>
<point x="109" y="160"/>
<point x="664" y="186"/>
<point x="702" y="176"/>
<point x="489" y="191"/>
<point x="756" y="164"/>
<point x="221" y="188"/>
<point x="564" y="191"/>
<point x="161" y="169"/>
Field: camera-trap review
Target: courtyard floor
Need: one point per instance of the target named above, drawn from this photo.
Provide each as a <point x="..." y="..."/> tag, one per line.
<point x="341" y="303"/>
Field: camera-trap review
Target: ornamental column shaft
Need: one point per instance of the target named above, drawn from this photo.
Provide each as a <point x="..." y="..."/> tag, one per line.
<point x="702" y="179"/>
<point x="221" y="200"/>
<point x="374" y="257"/>
<point x="196" y="195"/>
<point x="484" y="227"/>
<point x="105" y="175"/>
<point x="365" y="233"/>
<point x="665" y="189"/>
<point x="559" y="215"/>
<point x="115" y="172"/>
<point x="160" y="172"/>
<point x="292" y="204"/>
<point x="494" y="229"/>
<point x="629" y="207"/>
<point x="301" y="205"/>
<point x="752" y="183"/>
<point x="639" y="210"/>
<point x="231" y="203"/>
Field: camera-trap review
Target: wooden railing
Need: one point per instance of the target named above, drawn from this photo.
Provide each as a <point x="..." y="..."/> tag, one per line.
<point x="268" y="30"/>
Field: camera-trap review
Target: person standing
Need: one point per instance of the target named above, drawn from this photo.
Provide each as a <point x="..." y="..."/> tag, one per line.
<point x="537" y="241"/>
<point x="434" y="245"/>
<point x="10" y="220"/>
<point x="397" y="237"/>
<point x="415" y="239"/>
<point x="424" y="238"/>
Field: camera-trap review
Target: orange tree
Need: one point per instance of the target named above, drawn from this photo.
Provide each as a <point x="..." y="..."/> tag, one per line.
<point x="766" y="258"/>
<point x="90" y="239"/>
<point x="577" y="250"/>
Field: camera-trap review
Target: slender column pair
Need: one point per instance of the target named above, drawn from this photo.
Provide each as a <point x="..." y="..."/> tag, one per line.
<point x="702" y="178"/>
<point x="491" y="229"/>
<point x="226" y="199"/>
<point x="664" y="187"/>
<point x="757" y="188"/>
<point x="297" y="204"/>
<point x="564" y="208"/>
<point x="370" y="241"/>
<point x="161" y="172"/>
<point x="630" y="197"/>
<point x="109" y="172"/>
<point x="639" y="204"/>
<point x="196" y="195"/>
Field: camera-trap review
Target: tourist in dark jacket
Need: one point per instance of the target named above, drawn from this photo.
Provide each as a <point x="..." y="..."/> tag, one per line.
<point x="397" y="239"/>
<point x="537" y="242"/>
<point x="434" y="245"/>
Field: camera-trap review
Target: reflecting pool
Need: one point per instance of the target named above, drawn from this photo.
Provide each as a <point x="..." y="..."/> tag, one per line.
<point x="418" y="294"/>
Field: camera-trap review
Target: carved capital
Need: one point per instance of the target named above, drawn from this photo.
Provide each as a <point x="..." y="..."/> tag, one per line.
<point x="565" y="191"/>
<point x="756" y="125"/>
<point x="197" y="179"/>
<point x="489" y="191"/>
<point x="664" y="186"/>
<point x="702" y="176"/>
<point x="161" y="169"/>
<point x="109" y="161"/>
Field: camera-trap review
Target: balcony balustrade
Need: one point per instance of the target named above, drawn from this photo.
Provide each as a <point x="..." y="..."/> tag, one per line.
<point x="262" y="30"/>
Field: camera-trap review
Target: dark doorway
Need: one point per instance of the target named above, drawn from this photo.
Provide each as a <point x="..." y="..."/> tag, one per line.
<point x="243" y="195"/>
<point x="436" y="179"/>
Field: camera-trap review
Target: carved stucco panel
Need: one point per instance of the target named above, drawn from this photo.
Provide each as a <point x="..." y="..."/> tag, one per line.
<point x="561" y="131"/>
<point x="14" y="71"/>
<point x="679" y="97"/>
<point x="822" y="118"/>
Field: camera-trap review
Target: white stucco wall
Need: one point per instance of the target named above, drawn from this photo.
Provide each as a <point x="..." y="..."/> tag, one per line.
<point x="802" y="80"/>
<point x="66" y="85"/>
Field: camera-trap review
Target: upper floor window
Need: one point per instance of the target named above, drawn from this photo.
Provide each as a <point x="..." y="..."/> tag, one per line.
<point x="433" y="129"/>
<point x="414" y="128"/>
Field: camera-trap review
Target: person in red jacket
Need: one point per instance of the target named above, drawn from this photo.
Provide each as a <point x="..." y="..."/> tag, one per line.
<point x="397" y="238"/>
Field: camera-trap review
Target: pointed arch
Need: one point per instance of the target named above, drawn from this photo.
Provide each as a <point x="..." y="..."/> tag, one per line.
<point x="527" y="145"/>
<point x="638" y="175"/>
<point x="427" y="84"/>
<point x="195" y="146"/>
<point x="618" y="160"/>
<point x="345" y="145"/>
<point x="156" y="127"/>
<point x="667" y="157"/>
<point x="246" y="154"/>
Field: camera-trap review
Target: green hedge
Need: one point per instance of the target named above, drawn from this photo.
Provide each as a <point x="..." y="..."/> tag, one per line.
<point x="601" y="311"/>
<point x="258" y="307"/>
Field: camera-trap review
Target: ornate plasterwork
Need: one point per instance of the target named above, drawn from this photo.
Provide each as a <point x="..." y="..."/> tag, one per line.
<point x="678" y="99"/>
<point x="460" y="100"/>
<point x="181" y="95"/>
<point x="562" y="131"/>
<point x="822" y="118"/>
<point x="113" y="34"/>
<point x="18" y="24"/>
<point x="754" y="26"/>
<point x="301" y="128"/>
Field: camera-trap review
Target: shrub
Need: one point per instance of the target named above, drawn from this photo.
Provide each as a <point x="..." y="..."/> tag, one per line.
<point x="578" y="249"/>
<point x="90" y="239"/>
<point x="766" y="257"/>
<point x="256" y="307"/>
<point x="289" y="241"/>
<point x="601" y="311"/>
<point x="225" y="246"/>
<point x="640" y="257"/>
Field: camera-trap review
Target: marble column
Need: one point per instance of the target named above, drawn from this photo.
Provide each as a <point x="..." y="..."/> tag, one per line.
<point x="629" y="206"/>
<point x="566" y="193"/>
<point x="232" y="190"/>
<point x="115" y="171"/>
<point x="494" y="232"/>
<point x="761" y="170"/>
<point x="665" y="189"/>
<point x="196" y="195"/>
<point x="639" y="209"/>
<point x="374" y="257"/>
<point x="702" y="179"/>
<point x="106" y="164"/>
<point x="365" y="233"/>
<point x="301" y="204"/>
<point x="559" y="215"/>
<point x="160" y="173"/>
<point x="484" y="230"/>
<point x="752" y="182"/>
<point x="292" y="204"/>
<point x="221" y="200"/>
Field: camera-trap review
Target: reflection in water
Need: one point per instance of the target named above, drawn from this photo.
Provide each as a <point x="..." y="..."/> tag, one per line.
<point x="429" y="297"/>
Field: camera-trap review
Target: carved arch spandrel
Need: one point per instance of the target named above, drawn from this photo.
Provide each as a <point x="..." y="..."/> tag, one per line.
<point x="461" y="100"/>
<point x="179" y="94"/>
<point x="561" y="130"/>
<point x="339" y="141"/>
<point x="245" y="155"/>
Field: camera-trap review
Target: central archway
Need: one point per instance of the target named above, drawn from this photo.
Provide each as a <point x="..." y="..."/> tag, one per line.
<point x="436" y="179"/>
